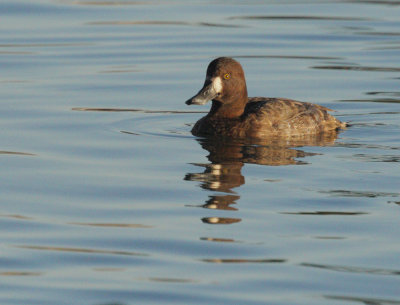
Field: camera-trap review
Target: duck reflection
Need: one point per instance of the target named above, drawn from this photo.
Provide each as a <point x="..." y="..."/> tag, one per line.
<point x="223" y="202"/>
<point x="221" y="177"/>
<point x="227" y="157"/>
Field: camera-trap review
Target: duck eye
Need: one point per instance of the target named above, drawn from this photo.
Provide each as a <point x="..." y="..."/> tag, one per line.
<point x="227" y="76"/>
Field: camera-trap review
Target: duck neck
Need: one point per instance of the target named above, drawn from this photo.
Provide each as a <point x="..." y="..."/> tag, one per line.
<point x="228" y="110"/>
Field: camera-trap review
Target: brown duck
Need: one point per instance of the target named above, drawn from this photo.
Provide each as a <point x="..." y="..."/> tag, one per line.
<point x="234" y="114"/>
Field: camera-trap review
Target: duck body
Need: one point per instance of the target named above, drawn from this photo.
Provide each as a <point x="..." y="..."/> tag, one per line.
<point x="234" y="114"/>
<point x="270" y="117"/>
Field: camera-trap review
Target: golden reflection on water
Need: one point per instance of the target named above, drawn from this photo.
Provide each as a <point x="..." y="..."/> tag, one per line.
<point x="227" y="158"/>
<point x="20" y="273"/>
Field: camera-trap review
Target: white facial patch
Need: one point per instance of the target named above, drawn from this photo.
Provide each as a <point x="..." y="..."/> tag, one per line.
<point x="217" y="84"/>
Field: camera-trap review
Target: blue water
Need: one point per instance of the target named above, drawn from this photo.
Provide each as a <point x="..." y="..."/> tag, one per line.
<point x="107" y="198"/>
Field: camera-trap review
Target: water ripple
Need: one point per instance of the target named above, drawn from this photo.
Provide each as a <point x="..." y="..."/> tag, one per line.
<point x="358" y="68"/>
<point x="380" y="34"/>
<point x="367" y="146"/>
<point x="379" y="2"/>
<point x="81" y="250"/>
<point x="243" y="260"/>
<point x="375" y="100"/>
<point x="326" y="213"/>
<point x="133" y="110"/>
<point x="94" y="206"/>
<point x="19" y="153"/>
<point x="389" y="93"/>
<point x="376" y="158"/>
<point x="305" y="57"/>
<point x="299" y="17"/>
<point x="366" y="301"/>
<point x="108" y="3"/>
<point x="221" y="240"/>
<point x="169" y="280"/>
<point x="16" y="216"/>
<point x="352" y="269"/>
<point x="157" y="22"/>
<point x="352" y="193"/>
<point x="112" y="225"/>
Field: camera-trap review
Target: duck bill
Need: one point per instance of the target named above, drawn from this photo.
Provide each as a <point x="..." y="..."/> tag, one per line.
<point x="206" y="94"/>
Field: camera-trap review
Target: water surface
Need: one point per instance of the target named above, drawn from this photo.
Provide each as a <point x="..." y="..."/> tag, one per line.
<point x="107" y="198"/>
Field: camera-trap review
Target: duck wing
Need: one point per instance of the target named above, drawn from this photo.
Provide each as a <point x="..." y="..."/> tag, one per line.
<point x="286" y="116"/>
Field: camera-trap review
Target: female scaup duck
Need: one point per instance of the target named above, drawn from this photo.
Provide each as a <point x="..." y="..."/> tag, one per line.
<point x="234" y="114"/>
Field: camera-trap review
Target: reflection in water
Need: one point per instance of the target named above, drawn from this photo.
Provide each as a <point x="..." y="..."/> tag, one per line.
<point x="221" y="202"/>
<point x="157" y="22"/>
<point x="220" y="240"/>
<point x="4" y="152"/>
<point x="20" y="273"/>
<point x="241" y="261"/>
<point x="373" y="100"/>
<point x="394" y="93"/>
<point x="106" y="3"/>
<point x="378" y="2"/>
<point x="353" y="269"/>
<point x="219" y="177"/>
<point x="228" y="156"/>
<point x="44" y="44"/>
<point x="330" y="237"/>
<point x="132" y="110"/>
<point x="297" y="17"/>
<point x="112" y="225"/>
<point x="110" y="303"/>
<point x="16" y="216"/>
<point x="351" y="193"/>
<point x="109" y="269"/>
<point x="366" y="301"/>
<point x="169" y="280"/>
<point x="358" y="68"/>
<point x="220" y="220"/>
<point x="280" y="56"/>
<point x="375" y="158"/>
<point x="244" y="260"/>
<point x="326" y="213"/>
<point x="81" y="250"/>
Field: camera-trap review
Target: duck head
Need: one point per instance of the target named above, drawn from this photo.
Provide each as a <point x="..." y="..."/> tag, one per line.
<point x="225" y="85"/>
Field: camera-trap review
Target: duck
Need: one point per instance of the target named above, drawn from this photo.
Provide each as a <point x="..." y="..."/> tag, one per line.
<point x="234" y="114"/>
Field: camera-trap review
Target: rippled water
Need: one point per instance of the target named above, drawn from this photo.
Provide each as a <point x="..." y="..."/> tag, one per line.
<point x="106" y="197"/>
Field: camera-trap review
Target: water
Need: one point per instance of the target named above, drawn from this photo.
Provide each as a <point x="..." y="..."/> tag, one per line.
<point x="106" y="197"/>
